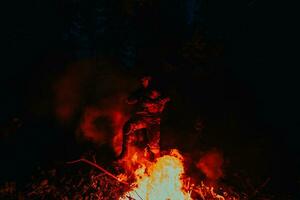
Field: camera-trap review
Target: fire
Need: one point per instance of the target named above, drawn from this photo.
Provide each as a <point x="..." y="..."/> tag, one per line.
<point x="160" y="180"/>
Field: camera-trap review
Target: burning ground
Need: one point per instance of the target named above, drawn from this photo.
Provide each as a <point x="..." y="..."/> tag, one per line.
<point x="161" y="179"/>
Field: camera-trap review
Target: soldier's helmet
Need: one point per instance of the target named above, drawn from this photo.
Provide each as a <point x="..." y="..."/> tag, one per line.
<point x="145" y="80"/>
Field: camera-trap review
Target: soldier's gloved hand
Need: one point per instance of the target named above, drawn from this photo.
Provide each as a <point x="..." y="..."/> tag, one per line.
<point x="167" y="99"/>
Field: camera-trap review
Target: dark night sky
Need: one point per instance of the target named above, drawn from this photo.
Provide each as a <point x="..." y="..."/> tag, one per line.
<point x="256" y="39"/>
<point x="255" y="34"/>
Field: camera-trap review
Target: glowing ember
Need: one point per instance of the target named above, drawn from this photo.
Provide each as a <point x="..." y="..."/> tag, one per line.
<point x="161" y="180"/>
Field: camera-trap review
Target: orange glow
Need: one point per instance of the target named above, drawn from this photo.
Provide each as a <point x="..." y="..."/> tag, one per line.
<point x="211" y="164"/>
<point x="107" y="131"/>
<point x="119" y="117"/>
<point x="159" y="180"/>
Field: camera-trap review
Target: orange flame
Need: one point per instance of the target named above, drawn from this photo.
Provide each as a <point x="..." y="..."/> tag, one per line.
<point x="160" y="180"/>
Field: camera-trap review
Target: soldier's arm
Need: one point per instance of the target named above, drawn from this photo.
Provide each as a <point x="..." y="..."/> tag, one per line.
<point x="162" y="103"/>
<point x="165" y="100"/>
<point x="134" y="98"/>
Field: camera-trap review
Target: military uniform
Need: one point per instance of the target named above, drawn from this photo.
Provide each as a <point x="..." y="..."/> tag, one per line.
<point x="147" y="115"/>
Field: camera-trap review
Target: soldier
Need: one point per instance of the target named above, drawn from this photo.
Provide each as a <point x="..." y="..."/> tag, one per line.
<point x="147" y="115"/>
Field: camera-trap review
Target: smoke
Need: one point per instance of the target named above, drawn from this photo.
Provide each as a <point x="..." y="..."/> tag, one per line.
<point x="93" y="95"/>
<point x="69" y="90"/>
<point x="103" y="124"/>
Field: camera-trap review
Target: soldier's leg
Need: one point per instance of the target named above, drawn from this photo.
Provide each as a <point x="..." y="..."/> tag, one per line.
<point x="129" y="129"/>
<point x="154" y="139"/>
